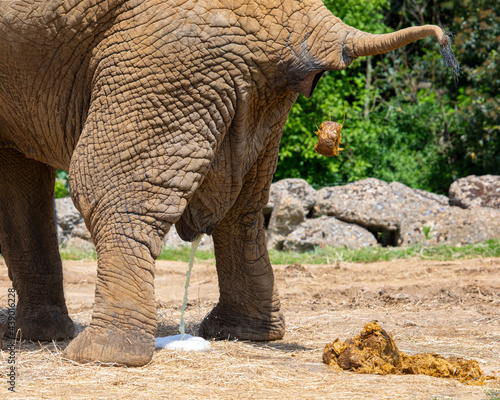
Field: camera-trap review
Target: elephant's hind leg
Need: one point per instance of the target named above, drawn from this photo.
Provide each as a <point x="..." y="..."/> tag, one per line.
<point x="29" y="245"/>
<point x="249" y="306"/>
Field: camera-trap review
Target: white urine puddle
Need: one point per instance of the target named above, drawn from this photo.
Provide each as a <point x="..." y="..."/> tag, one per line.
<point x="184" y="341"/>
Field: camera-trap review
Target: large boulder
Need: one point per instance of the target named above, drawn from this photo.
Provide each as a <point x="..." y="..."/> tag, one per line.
<point x="299" y="189"/>
<point x="454" y="226"/>
<point x="327" y="231"/>
<point x="369" y="203"/>
<point x="288" y="213"/>
<point x="172" y="240"/>
<point x="397" y="214"/>
<point x="476" y="191"/>
<point x="67" y="214"/>
<point x="67" y="218"/>
<point x="415" y="207"/>
<point x="375" y="204"/>
<point x="80" y="231"/>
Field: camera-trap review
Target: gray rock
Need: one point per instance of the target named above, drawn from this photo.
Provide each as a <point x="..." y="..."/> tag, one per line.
<point x="79" y="244"/>
<point x="391" y="209"/>
<point x="172" y="240"/>
<point x="454" y="226"/>
<point x="408" y="195"/>
<point x="67" y="218"/>
<point x="476" y="191"/>
<point x="297" y="188"/>
<point x="415" y="207"/>
<point x="80" y="231"/>
<point x="67" y="214"/>
<point x="369" y="203"/>
<point x="288" y="213"/>
<point x="328" y="231"/>
<point x="397" y="214"/>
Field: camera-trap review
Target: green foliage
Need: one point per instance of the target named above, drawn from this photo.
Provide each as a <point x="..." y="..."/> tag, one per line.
<point x="366" y="15"/>
<point x="297" y="155"/>
<point x="60" y="190"/>
<point x="472" y="134"/>
<point x="61" y="186"/>
<point x="183" y="253"/>
<point x="428" y="232"/>
<point x="70" y="253"/>
<point x="330" y="255"/>
<point x="327" y="255"/>
<point x="407" y="120"/>
<point x="478" y="135"/>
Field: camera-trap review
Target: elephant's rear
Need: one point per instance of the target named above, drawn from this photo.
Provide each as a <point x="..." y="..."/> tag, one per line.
<point x="45" y="78"/>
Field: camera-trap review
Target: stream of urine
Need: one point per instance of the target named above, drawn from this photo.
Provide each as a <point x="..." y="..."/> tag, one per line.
<point x="194" y="246"/>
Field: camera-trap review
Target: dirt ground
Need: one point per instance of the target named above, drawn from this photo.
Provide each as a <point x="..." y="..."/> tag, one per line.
<point x="450" y="308"/>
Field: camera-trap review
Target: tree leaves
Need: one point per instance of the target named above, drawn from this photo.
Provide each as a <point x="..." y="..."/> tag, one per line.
<point x="422" y="128"/>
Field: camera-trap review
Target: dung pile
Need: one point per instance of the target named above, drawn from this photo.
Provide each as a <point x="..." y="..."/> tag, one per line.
<point x="375" y="352"/>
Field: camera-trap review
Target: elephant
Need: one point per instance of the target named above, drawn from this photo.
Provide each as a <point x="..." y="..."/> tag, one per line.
<point x="163" y="113"/>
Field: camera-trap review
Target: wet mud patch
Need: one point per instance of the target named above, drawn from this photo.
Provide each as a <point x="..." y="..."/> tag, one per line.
<point x="374" y="351"/>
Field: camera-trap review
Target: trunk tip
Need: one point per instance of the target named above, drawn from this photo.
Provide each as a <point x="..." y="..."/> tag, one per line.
<point x="445" y="43"/>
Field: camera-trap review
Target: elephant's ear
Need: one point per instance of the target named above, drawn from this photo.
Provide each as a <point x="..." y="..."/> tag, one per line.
<point x="306" y="83"/>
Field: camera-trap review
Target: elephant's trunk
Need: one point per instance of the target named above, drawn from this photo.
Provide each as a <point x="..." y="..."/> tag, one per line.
<point x="357" y="43"/>
<point x="360" y="43"/>
<point x="366" y="44"/>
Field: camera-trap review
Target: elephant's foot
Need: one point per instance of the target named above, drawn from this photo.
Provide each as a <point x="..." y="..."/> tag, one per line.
<point x="223" y="323"/>
<point x="111" y="345"/>
<point x="46" y="322"/>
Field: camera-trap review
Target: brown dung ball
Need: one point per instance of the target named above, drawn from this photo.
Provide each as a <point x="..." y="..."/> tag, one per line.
<point x="329" y="137"/>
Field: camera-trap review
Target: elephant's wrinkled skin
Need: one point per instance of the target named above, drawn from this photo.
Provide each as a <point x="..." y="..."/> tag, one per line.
<point x="163" y="112"/>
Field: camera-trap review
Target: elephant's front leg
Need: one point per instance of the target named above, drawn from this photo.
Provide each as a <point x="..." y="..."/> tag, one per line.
<point x="130" y="188"/>
<point x="123" y="323"/>
<point x="249" y="306"/>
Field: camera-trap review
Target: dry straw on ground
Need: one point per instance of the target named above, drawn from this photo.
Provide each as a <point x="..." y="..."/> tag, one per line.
<point x="450" y="308"/>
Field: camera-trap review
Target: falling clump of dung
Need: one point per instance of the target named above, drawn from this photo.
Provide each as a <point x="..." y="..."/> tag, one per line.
<point x="375" y="352"/>
<point x="329" y="137"/>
